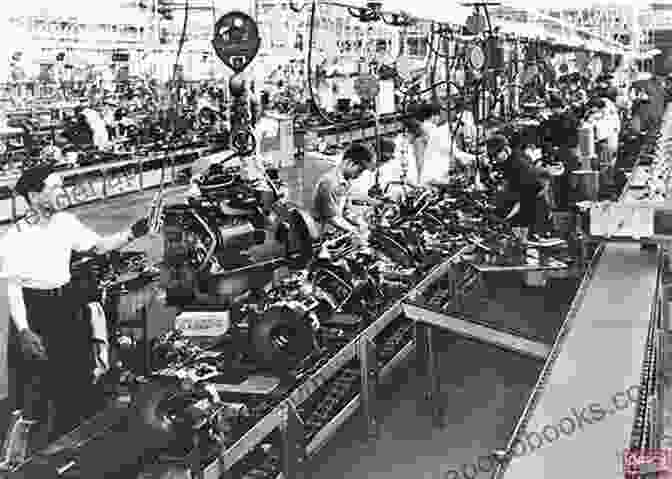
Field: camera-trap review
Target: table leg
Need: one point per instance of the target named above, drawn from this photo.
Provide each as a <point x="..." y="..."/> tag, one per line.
<point x="369" y="376"/>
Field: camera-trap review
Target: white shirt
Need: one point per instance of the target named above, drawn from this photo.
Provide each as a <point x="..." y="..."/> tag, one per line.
<point x="101" y="137"/>
<point x="39" y="255"/>
<point x="390" y="171"/>
<point x="439" y="154"/>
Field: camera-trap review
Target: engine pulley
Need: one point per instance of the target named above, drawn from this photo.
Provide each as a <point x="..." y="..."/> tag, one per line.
<point x="281" y="337"/>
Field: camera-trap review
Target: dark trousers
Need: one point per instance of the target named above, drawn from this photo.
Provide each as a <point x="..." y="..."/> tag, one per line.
<point x="562" y="184"/>
<point x="534" y="213"/>
<point x="58" y="392"/>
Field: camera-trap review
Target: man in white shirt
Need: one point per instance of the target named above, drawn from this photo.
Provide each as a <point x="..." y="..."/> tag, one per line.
<point x="443" y="156"/>
<point x="50" y="350"/>
<point x="419" y="129"/>
<point x="101" y="137"/>
<point x="436" y="153"/>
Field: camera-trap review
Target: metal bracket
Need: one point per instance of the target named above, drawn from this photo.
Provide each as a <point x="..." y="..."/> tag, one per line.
<point x="369" y="376"/>
<point x="293" y="450"/>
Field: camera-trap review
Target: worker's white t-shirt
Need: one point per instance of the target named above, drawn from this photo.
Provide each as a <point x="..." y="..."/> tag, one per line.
<point x="39" y="255"/>
<point x="439" y="155"/>
<point x="101" y="137"/>
<point x="391" y="171"/>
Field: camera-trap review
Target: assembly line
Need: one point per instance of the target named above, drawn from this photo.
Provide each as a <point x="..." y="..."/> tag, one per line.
<point x="209" y="287"/>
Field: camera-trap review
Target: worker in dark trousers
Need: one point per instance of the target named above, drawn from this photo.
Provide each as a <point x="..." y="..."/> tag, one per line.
<point x="531" y="212"/>
<point x="50" y="349"/>
<point x="560" y="132"/>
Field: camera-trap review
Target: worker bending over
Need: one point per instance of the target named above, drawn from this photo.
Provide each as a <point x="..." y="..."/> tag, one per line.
<point x="331" y="197"/>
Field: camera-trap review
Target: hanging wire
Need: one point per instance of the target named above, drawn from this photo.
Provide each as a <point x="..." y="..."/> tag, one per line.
<point x="180" y="46"/>
<point x="309" y="67"/>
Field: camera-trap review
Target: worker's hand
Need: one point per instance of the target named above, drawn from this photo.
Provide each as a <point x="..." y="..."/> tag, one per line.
<point x="140" y="228"/>
<point x="31" y="345"/>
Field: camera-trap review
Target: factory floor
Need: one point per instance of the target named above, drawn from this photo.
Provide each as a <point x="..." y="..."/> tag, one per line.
<point x="483" y="388"/>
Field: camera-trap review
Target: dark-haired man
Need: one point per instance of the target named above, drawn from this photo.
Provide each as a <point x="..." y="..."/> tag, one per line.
<point x="331" y="194"/>
<point x="531" y="212"/>
<point x="50" y="350"/>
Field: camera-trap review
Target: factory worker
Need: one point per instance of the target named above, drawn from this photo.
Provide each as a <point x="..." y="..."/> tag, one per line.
<point x="443" y="157"/>
<point x="331" y="197"/>
<point x="530" y="213"/>
<point x="390" y="170"/>
<point x="100" y="137"/>
<point x="419" y="128"/>
<point x="50" y="350"/>
<point x="77" y="132"/>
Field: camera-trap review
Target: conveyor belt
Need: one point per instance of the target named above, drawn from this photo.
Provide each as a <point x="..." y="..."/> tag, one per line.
<point x="582" y="401"/>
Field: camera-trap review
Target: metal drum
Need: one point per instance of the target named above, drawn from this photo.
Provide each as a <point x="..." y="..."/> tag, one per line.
<point x="586" y="183"/>
<point x="586" y="133"/>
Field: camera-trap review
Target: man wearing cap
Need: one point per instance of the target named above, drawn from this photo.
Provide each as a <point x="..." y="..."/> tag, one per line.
<point x="49" y="349"/>
<point x="531" y="212"/>
<point x="332" y="192"/>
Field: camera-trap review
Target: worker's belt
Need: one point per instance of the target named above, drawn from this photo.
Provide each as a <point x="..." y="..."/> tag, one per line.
<point x="56" y="292"/>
